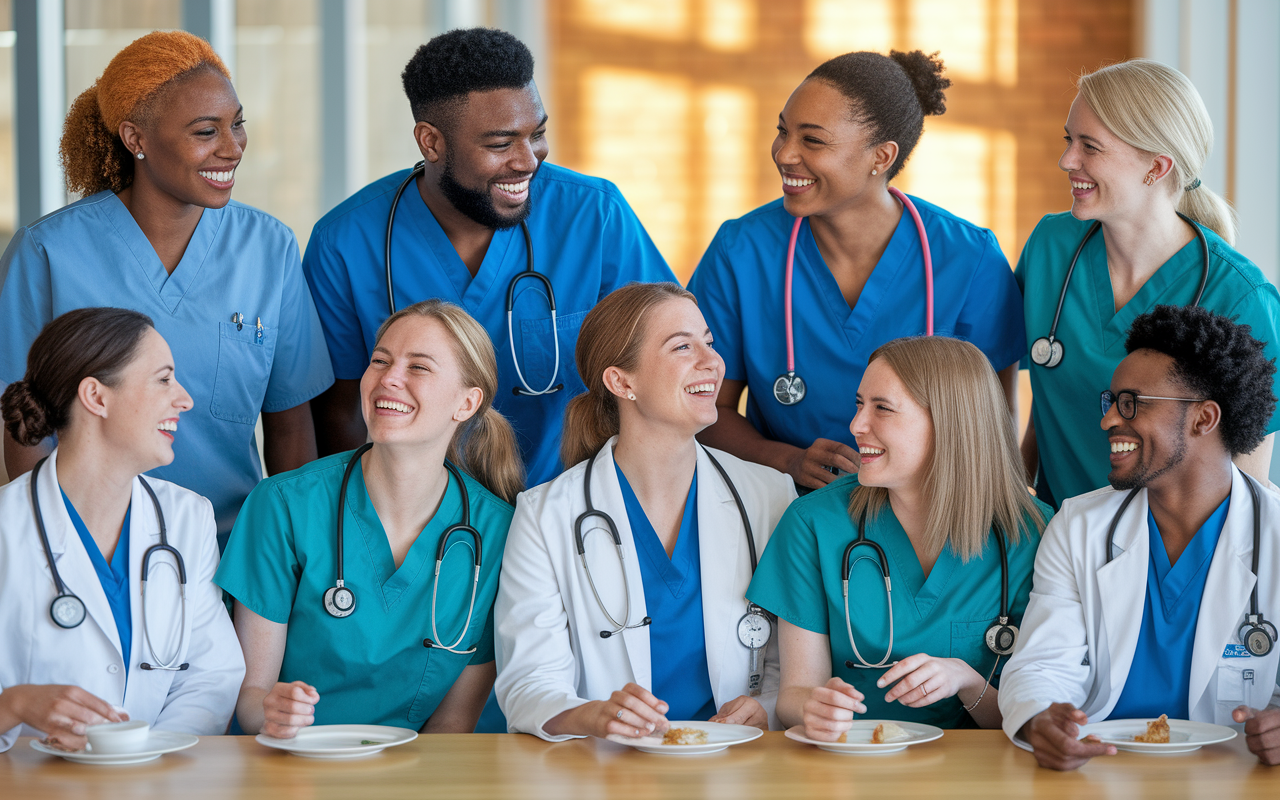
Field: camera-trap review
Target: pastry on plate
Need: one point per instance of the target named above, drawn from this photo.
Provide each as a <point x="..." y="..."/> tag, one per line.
<point x="684" y="736"/>
<point x="1157" y="732"/>
<point x="887" y="732"/>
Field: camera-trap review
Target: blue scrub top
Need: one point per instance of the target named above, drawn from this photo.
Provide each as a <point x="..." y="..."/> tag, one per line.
<point x="586" y="240"/>
<point x="673" y="600"/>
<point x="370" y="667"/>
<point x="239" y="260"/>
<point x="1159" y="679"/>
<point x="740" y="288"/>
<point x="945" y="615"/>
<point x="1074" y="454"/>
<point x="114" y="577"/>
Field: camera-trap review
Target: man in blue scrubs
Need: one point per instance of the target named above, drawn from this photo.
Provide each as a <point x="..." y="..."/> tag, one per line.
<point x="459" y="235"/>
<point x="1146" y="595"/>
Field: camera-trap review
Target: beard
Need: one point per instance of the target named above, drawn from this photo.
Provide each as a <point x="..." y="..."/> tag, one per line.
<point x="477" y="205"/>
<point x="1143" y="476"/>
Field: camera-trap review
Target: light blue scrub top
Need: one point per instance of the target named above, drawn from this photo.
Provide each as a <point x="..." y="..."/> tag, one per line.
<point x="239" y="260"/>
<point x="740" y="289"/>
<point x="946" y="615"/>
<point x="673" y="600"/>
<point x="114" y="577"/>
<point x="1074" y="454"/>
<point x="586" y="240"/>
<point x="370" y="667"/>
<point x="1159" y="679"/>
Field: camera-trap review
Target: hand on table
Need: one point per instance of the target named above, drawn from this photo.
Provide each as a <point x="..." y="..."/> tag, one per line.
<point x="1261" y="732"/>
<point x="743" y="710"/>
<point x="829" y="710"/>
<point x="288" y="708"/>
<point x="809" y="467"/>
<point x="924" y="679"/>
<point x="1054" y="734"/>
<point x="631" y="711"/>
<point x="60" y="712"/>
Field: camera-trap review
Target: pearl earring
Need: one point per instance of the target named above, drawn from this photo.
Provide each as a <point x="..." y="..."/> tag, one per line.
<point x="873" y="172"/>
<point x="631" y="395"/>
<point x="141" y="156"/>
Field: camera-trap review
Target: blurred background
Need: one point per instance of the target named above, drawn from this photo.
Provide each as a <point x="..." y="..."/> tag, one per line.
<point x="673" y="100"/>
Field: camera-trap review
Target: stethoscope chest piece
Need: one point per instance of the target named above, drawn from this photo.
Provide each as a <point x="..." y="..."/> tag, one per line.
<point x="1001" y="637"/>
<point x="789" y="389"/>
<point x="1046" y="352"/>
<point x="339" y="601"/>
<point x="1258" y="635"/>
<point x="67" y="611"/>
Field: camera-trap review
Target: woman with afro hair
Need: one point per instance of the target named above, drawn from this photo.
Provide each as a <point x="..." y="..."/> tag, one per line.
<point x="153" y="147"/>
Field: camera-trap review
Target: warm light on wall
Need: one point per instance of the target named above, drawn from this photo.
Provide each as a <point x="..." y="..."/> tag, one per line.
<point x="663" y="19"/>
<point x="727" y="158"/>
<point x="728" y="25"/>
<point x="832" y="27"/>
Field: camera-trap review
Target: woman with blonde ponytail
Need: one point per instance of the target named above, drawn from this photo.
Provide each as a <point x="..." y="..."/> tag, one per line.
<point x="409" y="643"/>
<point x="623" y="585"/>
<point x="1137" y="138"/>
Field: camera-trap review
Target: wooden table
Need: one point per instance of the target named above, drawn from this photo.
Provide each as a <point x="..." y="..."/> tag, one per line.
<point x="964" y="764"/>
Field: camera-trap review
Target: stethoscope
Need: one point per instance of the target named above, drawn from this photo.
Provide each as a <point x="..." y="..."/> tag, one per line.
<point x="1047" y="350"/>
<point x="754" y="628"/>
<point x="1256" y="633"/>
<point x="1000" y="637"/>
<point x="524" y="390"/>
<point x="68" y="611"/>
<point x="340" y="600"/>
<point x="790" y="388"/>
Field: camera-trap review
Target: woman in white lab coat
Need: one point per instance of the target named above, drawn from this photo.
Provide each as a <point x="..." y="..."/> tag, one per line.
<point x="666" y="632"/>
<point x="83" y="652"/>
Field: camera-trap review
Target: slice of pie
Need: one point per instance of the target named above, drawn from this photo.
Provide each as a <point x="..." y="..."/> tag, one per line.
<point x="684" y="736"/>
<point x="1157" y="732"/>
<point x="887" y="732"/>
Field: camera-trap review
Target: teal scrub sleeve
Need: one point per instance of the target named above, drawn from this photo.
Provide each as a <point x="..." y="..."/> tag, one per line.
<point x="300" y="367"/>
<point x="260" y="565"/>
<point x="714" y="283"/>
<point x="26" y="302"/>
<point x="788" y="581"/>
<point x="484" y="647"/>
<point x="331" y="289"/>
<point x="992" y="317"/>
<point x="628" y="254"/>
<point x="1260" y="310"/>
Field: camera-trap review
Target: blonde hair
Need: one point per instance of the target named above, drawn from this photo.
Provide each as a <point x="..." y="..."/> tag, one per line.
<point x="485" y="445"/>
<point x="975" y="479"/>
<point x="1157" y="109"/>
<point x="612" y="335"/>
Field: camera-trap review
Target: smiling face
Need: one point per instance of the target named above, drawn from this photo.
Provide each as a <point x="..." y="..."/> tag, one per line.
<point x="894" y="432"/>
<point x="141" y="410"/>
<point x="1106" y="175"/>
<point x="412" y="392"/>
<point x="1154" y="442"/>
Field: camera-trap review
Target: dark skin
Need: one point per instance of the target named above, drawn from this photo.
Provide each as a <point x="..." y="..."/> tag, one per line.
<point x="1186" y="469"/>
<point x="497" y="138"/>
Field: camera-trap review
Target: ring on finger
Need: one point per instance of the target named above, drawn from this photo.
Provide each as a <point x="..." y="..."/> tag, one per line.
<point x="619" y="714"/>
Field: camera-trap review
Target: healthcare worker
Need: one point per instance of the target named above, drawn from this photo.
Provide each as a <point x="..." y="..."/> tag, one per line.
<point x="865" y="270"/>
<point x="1158" y="594"/>
<point x="941" y="516"/>
<point x="484" y="210"/>
<point x="364" y="581"/>
<point x="110" y="612"/>
<point x="622" y="606"/>
<point x="1142" y="230"/>
<point x="154" y="146"/>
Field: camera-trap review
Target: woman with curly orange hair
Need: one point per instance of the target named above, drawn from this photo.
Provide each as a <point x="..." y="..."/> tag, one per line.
<point x="153" y="147"/>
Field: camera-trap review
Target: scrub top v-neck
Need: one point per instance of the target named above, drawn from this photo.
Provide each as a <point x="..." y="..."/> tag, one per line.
<point x="113" y="575"/>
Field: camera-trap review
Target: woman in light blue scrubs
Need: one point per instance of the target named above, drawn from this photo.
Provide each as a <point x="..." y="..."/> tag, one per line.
<point x="389" y="634"/>
<point x="939" y="481"/>
<point x="1137" y="138"/>
<point x="154" y="146"/>
<point x="858" y="277"/>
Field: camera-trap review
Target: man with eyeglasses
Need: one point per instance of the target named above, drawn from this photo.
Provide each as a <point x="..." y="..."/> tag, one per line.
<point x="1152" y="597"/>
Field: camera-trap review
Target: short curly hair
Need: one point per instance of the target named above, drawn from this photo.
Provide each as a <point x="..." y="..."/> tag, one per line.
<point x="452" y="65"/>
<point x="1218" y="359"/>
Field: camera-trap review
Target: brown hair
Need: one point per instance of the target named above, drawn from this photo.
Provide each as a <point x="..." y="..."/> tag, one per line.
<point x="85" y="343"/>
<point x="612" y="335"/>
<point x="485" y="445"/>
<point x="93" y="156"/>
<point x="975" y="479"/>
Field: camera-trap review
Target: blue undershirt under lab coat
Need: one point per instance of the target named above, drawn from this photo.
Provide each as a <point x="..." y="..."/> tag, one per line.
<point x="114" y="577"/>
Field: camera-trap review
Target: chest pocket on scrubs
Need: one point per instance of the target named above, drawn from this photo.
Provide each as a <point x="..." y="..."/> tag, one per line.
<point x="968" y="643"/>
<point x="244" y="365"/>
<point x="438" y="676"/>
<point x="537" y="357"/>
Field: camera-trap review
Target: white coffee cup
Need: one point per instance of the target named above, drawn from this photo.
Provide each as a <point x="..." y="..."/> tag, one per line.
<point x="118" y="737"/>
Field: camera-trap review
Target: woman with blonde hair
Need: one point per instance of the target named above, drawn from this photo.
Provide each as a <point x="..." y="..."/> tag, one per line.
<point x="1143" y="230"/>
<point x="153" y="147"/>
<point x="342" y="616"/>
<point x="941" y="516"/>
<point x="621" y="608"/>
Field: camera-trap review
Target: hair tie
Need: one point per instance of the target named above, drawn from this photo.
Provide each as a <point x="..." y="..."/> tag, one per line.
<point x="1195" y="184"/>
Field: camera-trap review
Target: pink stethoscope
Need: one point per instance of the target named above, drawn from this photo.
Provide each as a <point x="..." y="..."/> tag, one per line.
<point x="789" y="388"/>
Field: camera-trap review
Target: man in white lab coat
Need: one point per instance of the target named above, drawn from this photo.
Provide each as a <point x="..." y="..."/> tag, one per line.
<point x="1151" y="597"/>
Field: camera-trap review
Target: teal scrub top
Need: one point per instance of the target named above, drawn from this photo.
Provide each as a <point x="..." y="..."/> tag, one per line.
<point x="1074" y="452"/>
<point x="370" y="667"/>
<point x="945" y="616"/>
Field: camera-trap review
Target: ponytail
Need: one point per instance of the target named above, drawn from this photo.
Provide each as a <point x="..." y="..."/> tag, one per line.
<point x="590" y="420"/>
<point x="93" y="156"/>
<point x="1211" y="210"/>
<point x="486" y="448"/>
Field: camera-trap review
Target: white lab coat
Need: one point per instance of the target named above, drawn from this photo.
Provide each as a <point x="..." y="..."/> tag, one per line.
<point x="549" y="651"/>
<point x="1081" y="626"/>
<point x="197" y="700"/>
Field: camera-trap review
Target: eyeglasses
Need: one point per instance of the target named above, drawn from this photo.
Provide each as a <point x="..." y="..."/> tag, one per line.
<point x="1126" y="402"/>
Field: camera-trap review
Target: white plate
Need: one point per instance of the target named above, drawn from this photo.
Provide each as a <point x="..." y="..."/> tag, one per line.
<point x="158" y="743"/>
<point x="341" y="741"/>
<point x="1184" y="735"/>
<point x="719" y="737"/>
<point x="859" y="738"/>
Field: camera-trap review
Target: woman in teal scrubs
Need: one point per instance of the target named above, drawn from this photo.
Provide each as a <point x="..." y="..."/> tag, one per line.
<point x="939" y="477"/>
<point x="859" y="271"/>
<point x="390" y="646"/>
<point x="1137" y="137"/>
